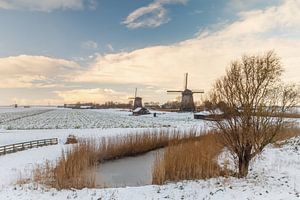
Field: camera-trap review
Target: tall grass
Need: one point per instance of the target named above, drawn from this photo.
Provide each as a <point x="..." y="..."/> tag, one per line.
<point x="69" y="170"/>
<point x="188" y="154"/>
<point x="194" y="158"/>
<point x="287" y="133"/>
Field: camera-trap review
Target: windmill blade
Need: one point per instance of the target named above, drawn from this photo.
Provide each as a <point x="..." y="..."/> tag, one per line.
<point x="198" y="91"/>
<point x="185" y="80"/>
<point x="173" y="91"/>
<point x="135" y="93"/>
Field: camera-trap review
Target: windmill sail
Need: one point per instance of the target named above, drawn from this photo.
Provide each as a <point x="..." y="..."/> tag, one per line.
<point x="185" y="80"/>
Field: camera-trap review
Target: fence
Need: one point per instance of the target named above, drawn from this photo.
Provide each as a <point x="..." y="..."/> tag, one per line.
<point x="12" y="148"/>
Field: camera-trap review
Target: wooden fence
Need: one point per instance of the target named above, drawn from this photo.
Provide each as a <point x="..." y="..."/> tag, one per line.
<point x="11" y="148"/>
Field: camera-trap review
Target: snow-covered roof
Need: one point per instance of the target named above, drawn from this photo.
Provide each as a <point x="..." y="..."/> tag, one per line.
<point x="213" y="112"/>
<point x="85" y="106"/>
<point x="205" y="113"/>
<point x="138" y="109"/>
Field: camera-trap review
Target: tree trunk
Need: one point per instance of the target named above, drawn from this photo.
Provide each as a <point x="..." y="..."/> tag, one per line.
<point x="244" y="160"/>
<point x="243" y="168"/>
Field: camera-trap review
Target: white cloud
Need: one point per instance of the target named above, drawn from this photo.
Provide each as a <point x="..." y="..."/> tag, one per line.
<point x="27" y="71"/>
<point x="98" y="95"/>
<point x="206" y="56"/>
<point x="152" y="15"/>
<point x="46" y="5"/>
<point x="90" y="45"/>
<point x="248" y="4"/>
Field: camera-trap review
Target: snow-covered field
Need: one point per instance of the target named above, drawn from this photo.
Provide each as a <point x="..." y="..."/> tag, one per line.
<point x="83" y="119"/>
<point x="274" y="175"/>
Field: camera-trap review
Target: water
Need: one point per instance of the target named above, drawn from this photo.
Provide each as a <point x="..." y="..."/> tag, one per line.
<point x="129" y="171"/>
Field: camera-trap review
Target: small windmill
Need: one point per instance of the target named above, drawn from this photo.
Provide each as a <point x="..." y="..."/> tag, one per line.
<point x="187" y="100"/>
<point x="137" y="100"/>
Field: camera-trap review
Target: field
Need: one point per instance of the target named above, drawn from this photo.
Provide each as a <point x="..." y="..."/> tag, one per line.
<point x="83" y="119"/>
<point x="273" y="175"/>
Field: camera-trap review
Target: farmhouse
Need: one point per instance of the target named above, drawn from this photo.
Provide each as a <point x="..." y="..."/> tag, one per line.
<point x="140" y="111"/>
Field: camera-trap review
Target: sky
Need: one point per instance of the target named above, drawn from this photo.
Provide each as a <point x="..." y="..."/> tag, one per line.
<point x="65" y="51"/>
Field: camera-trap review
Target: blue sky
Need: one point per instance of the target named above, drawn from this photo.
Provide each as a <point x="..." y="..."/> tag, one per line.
<point x="61" y="33"/>
<point x="99" y="47"/>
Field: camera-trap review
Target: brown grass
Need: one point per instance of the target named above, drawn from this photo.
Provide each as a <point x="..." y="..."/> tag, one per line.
<point x="66" y="172"/>
<point x="195" y="158"/>
<point x="70" y="169"/>
<point x="287" y="133"/>
<point x="71" y="139"/>
<point x="187" y="156"/>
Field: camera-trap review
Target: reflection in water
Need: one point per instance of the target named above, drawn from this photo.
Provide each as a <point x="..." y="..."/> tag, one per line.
<point x="129" y="171"/>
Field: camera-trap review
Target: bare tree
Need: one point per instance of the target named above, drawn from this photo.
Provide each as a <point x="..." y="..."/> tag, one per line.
<point x="253" y="101"/>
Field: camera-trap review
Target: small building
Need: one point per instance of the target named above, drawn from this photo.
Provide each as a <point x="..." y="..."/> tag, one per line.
<point x="209" y="115"/>
<point x="140" y="111"/>
<point x="85" y="107"/>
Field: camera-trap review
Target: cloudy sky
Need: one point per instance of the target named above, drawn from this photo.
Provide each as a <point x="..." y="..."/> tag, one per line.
<point x="63" y="51"/>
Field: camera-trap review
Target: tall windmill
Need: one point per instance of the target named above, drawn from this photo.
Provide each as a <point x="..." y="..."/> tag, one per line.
<point x="187" y="100"/>
<point x="137" y="100"/>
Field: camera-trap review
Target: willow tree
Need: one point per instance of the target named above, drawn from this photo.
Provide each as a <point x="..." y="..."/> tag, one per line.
<point x="254" y="101"/>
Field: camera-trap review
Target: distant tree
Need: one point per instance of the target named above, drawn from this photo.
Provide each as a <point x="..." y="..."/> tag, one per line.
<point x="172" y="105"/>
<point x="77" y="105"/>
<point x="153" y="105"/>
<point x="254" y="99"/>
<point x="208" y="105"/>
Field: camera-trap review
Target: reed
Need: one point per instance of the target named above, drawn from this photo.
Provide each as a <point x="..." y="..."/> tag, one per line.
<point x="194" y="158"/>
<point x="287" y="133"/>
<point x="69" y="171"/>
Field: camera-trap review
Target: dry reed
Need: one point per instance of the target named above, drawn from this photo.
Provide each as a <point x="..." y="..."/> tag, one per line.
<point x="194" y="158"/>
<point x="70" y="169"/>
<point x="287" y="133"/>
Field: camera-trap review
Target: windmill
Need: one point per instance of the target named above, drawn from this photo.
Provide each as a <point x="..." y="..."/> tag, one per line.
<point x="187" y="100"/>
<point x="137" y="100"/>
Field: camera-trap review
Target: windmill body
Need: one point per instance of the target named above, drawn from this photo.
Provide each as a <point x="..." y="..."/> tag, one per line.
<point x="187" y="99"/>
<point x="137" y="101"/>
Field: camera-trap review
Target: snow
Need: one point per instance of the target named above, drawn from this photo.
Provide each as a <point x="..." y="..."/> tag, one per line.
<point x="86" y="119"/>
<point x="23" y="162"/>
<point x="212" y="112"/>
<point x="205" y="113"/>
<point x="15" y="136"/>
<point x="275" y="174"/>
<point x="137" y="109"/>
